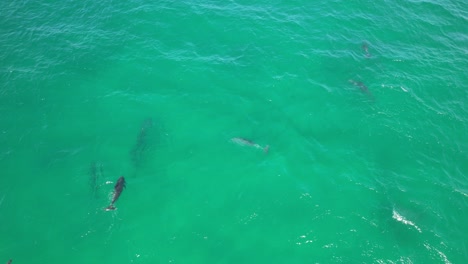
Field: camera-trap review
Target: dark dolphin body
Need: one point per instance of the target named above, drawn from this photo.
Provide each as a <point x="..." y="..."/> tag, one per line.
<point x="9" y="262"/>
<point x="118" y="188"/>
<point x="142" y="142"/>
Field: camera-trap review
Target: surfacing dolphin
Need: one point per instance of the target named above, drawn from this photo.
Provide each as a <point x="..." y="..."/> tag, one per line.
<point x="118" y="188"/>
<point x="249" y="143"/>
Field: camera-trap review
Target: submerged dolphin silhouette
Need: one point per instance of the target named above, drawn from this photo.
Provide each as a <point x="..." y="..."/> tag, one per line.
<point x="361" y="85"/>
<point x="95" y="172"/>
<point x="365" y="48"/>
<point x="247" y="142"/>
<point x="141" y="145"/>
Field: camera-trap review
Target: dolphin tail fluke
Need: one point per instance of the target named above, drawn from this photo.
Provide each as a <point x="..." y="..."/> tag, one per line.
<point x="266" y="148"/>
<point x="110" y="207"/>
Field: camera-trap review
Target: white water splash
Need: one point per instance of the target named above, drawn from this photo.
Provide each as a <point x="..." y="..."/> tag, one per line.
<point x="461" y="192"/>
<point x="400" y="218"/>
<point x="439" y="253"/>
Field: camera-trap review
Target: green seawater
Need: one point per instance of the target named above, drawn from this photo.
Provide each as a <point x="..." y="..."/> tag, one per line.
<point x="363" y="104"/>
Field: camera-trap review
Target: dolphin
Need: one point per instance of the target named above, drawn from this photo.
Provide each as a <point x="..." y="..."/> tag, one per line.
<point x="361" y="86"/>
<point x="9" y="262"/>
<point x="95" y="172"/>
<point x="365" y="48"/>
<point x="142" y="142"/>
<point x="250" y="143"/>
<point x="118" y="188"/>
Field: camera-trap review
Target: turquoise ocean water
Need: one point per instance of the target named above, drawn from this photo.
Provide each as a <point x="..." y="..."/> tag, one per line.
<point x="364" y="106"/>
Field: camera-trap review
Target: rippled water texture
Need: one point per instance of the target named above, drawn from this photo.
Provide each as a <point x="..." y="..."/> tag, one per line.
<point x="247" y="131"/>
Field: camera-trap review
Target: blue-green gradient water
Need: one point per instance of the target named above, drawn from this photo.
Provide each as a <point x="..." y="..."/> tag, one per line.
<point x="363" y="104"/>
